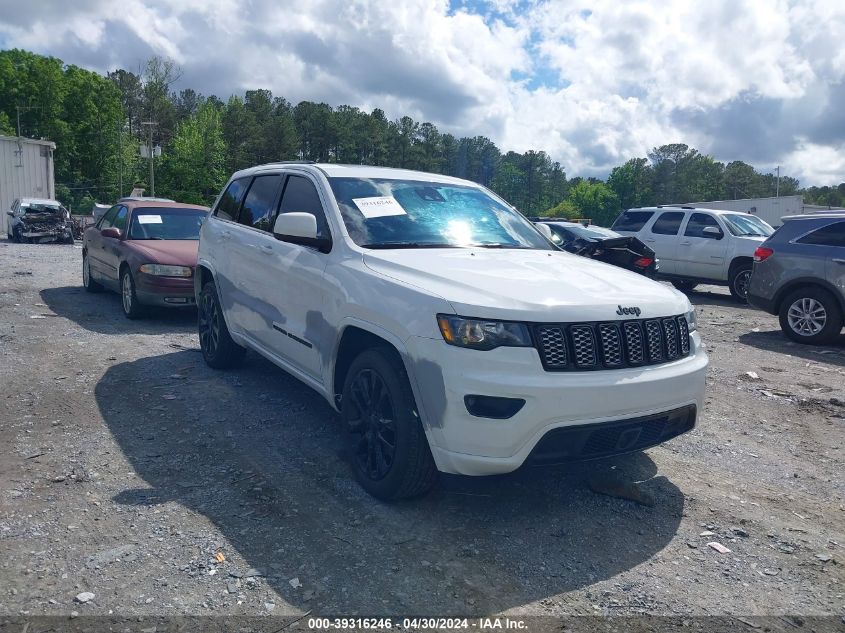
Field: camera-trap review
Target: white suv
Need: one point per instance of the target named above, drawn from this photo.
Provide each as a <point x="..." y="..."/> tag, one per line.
<point x="445" y="328"/>
<point x="698" y="245"/>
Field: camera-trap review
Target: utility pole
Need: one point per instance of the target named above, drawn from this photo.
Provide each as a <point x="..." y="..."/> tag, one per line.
<point x="777" y="187"/>
<point x="150" y="125"/>
<point x="19" y="108"/>
<point x="120" y="156"/>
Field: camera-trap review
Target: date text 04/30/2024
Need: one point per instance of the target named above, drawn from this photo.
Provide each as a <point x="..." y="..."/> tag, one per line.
<point x="480" y="624"/>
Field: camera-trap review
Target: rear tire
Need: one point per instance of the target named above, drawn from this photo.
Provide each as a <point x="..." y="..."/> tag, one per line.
<point x="87" y="281"/>
<point x="218" y="348"/>
<point x="132" y="308"/>
<point x="391" y="457"/>
<point x="810" y="315"/>
<point x="684" y="286"/>
<point x="738" y="283"/>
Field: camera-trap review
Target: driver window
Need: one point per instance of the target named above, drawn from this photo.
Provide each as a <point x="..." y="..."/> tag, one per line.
<point x="120" y="219"/>
<point x="301" y="196"/>
<point x="698" y="222"/>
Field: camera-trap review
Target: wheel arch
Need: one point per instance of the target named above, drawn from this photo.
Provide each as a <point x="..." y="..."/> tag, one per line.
<point x="795" y="284"/>
<point x="353" y="340"/>
<point x="736" y="262"/>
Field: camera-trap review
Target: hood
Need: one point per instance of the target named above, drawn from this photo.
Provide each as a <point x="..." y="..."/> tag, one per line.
<point x="173" y="252"/>
<point x="528" y="285"/>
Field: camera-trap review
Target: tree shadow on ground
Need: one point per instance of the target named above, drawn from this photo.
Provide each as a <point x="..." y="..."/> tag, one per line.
<point x="102" y="313"/>
<point x="264" y="459"/>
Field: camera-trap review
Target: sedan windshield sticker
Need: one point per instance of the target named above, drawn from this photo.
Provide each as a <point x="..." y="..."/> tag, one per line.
<point x="149" y="219"/>
<point x="379" y="207"/>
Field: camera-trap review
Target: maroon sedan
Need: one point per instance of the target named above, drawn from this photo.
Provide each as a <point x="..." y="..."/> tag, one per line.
<point x="147" y="251"/>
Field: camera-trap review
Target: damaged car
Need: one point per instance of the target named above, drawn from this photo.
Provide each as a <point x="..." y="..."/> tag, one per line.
<point x="36" y="220"/>
<point x="599" y="243"/>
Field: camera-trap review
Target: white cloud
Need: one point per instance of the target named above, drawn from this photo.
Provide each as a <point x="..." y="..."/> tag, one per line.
<point x="592" y="82"/>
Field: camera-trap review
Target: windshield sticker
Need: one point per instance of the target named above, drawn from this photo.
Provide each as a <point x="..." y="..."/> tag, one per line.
<point x="379" y="207"/>
<point x="149" y="219"/>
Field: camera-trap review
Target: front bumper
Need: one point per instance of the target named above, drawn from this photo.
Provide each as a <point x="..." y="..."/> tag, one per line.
<point x="464" y="444"/>
<point x="167" y="292"/>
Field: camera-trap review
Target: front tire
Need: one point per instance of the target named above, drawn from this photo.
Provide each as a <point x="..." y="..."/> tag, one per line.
<point x="810" y="315"/>
<point x="87" y="280"/>
<point x="738" y="284"/>
<point x="218" y="348"/>
<point x="132" y="308"/>
<point x="391" y="457"/>
<point x="17" y="235"/>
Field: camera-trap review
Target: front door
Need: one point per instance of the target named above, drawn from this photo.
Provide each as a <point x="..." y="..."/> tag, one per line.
<point x="293" y="282"/>
<point x="702" y="253"/>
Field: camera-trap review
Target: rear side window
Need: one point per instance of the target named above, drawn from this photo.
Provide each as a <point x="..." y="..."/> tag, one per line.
<point x="830" y="235"/>
<point x="301" y="197"/>
<point x="697" y="223"/>
<point x="260" y="203"/>
<point x="632" y="220"/>
<point x="668" y="223"/>
<point x="227" y="208"/>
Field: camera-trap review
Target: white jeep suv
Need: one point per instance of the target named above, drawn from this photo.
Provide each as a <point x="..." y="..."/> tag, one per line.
<point x="445" y="328"/>
<point x="698" y="245"/>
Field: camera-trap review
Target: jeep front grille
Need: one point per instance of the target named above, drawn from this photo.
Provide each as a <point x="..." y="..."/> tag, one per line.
<point x="611" y="344"/>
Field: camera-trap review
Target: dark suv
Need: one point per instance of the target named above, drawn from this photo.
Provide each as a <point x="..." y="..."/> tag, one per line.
<point x="799" y="274"/>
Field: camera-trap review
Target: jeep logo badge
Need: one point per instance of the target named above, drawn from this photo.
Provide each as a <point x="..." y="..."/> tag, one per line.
<point x="632" y="310"/>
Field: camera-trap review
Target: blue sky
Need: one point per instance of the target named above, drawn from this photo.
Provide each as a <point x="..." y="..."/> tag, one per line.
<point x="592" y="82"/>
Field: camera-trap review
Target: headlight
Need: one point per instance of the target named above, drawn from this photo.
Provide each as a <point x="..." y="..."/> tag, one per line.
<point x="691" y="320"/>
<point x="166" y="271"/>
<point x="482" y="335"/>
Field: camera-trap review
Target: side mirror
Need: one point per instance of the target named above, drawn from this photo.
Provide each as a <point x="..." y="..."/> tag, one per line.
<point x="545" y="230"/>
<point x="300" y="228"/>
<point x="713" y="232"/>
<point x="11" y="214"/>
<point x="111" y="232"/>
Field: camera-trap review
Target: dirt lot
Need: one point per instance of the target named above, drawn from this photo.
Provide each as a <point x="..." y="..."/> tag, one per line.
<point x="127" y="466"/>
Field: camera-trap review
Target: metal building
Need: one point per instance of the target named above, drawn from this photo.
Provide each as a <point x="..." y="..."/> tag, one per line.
<point x="26" y="171"/>
<point x="769" y="209"/>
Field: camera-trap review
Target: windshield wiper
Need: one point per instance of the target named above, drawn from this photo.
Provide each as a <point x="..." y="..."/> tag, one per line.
<point x="499" y="245"/>
<point x="387" y="245"/>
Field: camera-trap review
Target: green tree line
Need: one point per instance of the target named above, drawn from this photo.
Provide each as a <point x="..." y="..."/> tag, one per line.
<point x="99" y="122"/>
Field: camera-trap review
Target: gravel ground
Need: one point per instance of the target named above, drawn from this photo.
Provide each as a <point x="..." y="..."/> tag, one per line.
<point x="131" y="471"/>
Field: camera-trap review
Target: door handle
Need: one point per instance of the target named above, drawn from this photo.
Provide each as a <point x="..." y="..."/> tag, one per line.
<point x="839" y="260"/>
<point x="684" y="243"/>
<point x="266" y="249"/>
<point x="649" y="239"/>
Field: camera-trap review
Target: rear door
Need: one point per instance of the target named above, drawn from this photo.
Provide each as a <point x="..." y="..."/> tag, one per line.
<point x="662" y="236"/>
<point x="829" y="241"/>
<point x="217" y="234"/>
<point x="701" y="254"/>
<point x="251" y="250"/>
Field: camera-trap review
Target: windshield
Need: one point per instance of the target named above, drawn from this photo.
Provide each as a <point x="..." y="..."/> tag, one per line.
<point x="743" y="225"/>
<point x="386" y="213"/>
<point x="35" y="207"/>
<point x="163" y="223"/>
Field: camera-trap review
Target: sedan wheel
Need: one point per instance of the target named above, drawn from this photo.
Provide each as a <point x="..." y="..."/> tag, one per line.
<point x="131" y="307"/>
<point x="87" y="281"/>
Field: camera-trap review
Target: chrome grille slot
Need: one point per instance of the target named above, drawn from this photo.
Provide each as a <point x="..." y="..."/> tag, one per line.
<point x="611" y="345"/>
<point x="583" y="345"/>
<point x="670" y="329"/>
<point x="634" y="343"/>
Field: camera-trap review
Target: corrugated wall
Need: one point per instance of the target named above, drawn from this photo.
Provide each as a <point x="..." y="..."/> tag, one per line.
<point x="24" y="173"/>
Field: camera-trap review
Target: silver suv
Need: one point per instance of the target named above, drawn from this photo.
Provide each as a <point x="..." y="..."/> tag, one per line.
<point x="799" y="274"/>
